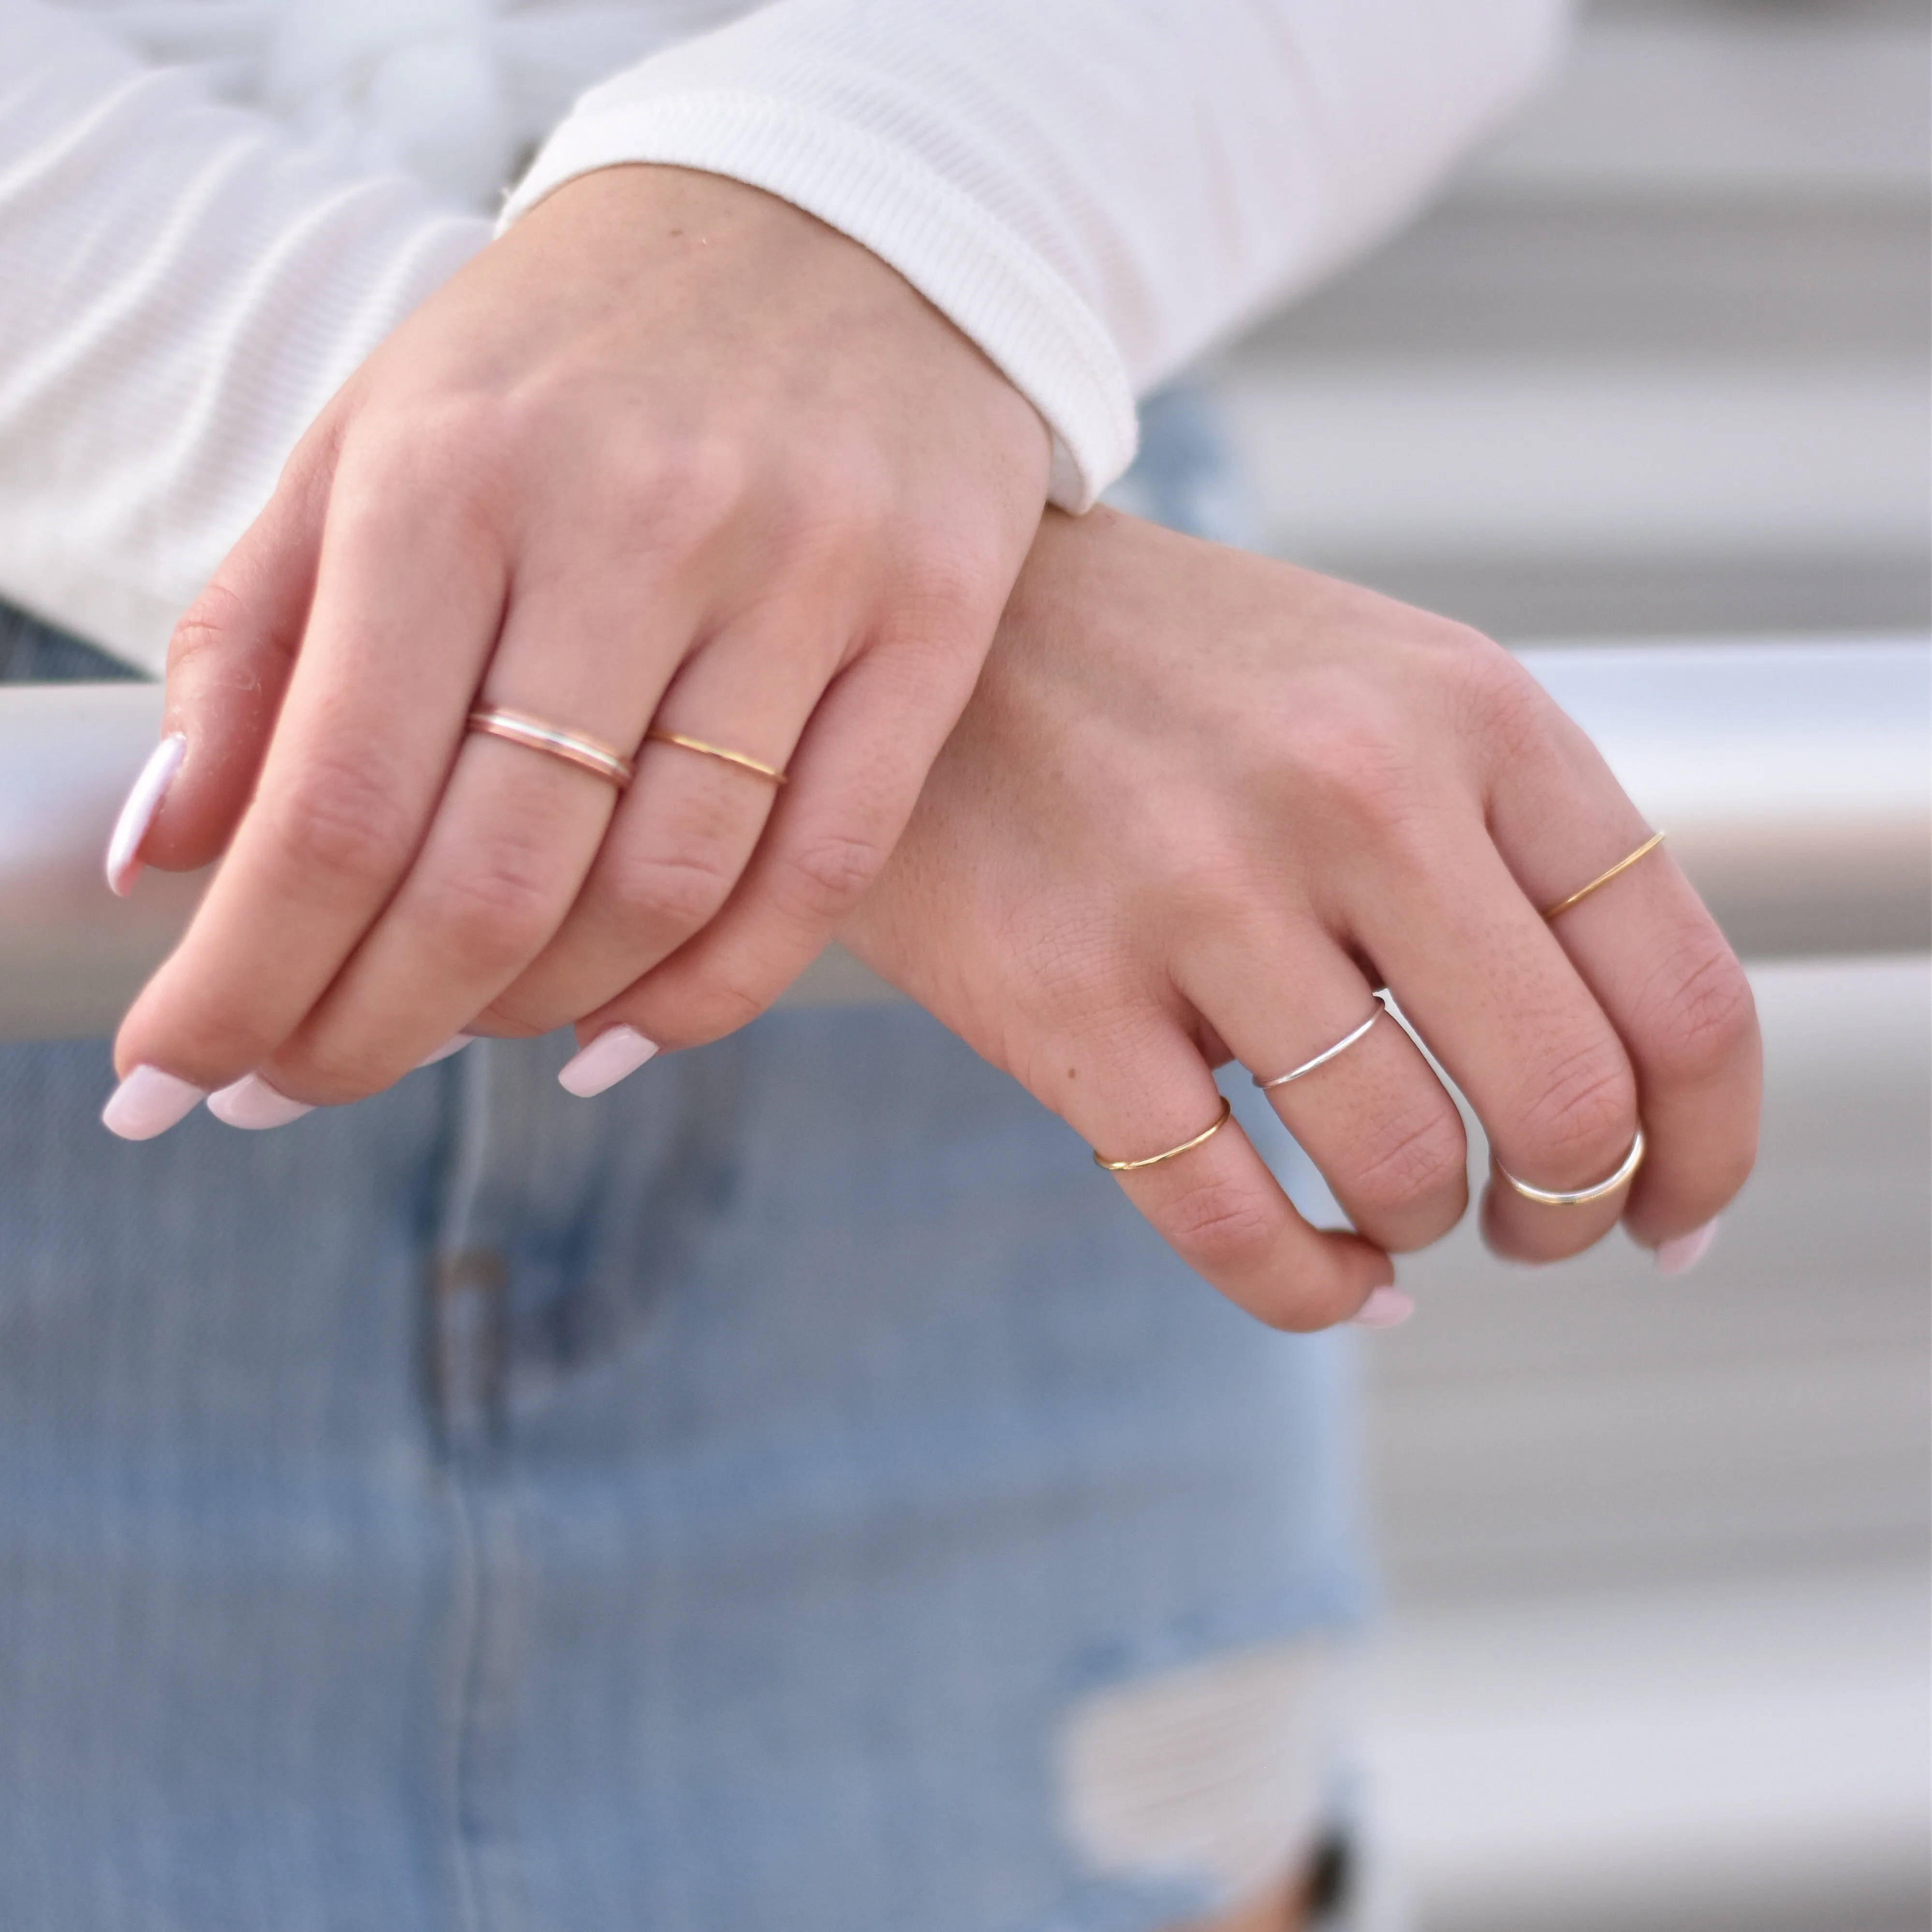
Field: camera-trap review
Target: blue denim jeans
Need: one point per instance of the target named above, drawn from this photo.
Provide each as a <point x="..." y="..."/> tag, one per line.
<point x="695" y="1510"/>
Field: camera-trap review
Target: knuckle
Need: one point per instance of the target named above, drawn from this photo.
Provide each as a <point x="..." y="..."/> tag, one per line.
<point x="827" y="874"/>
<point x="498" y="903"/>
<point x="1358" y="775"/>
<point x="339" y="820"/>
<point x="211" y="625"/>
<point x="1585" y="1112"/>
<point x="1219" y="1226"/>
<point x="1411" y="1160"/>
<point x="1698" y="1014"/>
<point x="681" y="890"/>
<point x="687" y="487"/>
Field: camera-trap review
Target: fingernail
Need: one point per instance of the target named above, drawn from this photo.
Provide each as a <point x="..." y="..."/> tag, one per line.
<point x="615" y="1052"/>
<point x="149" y="1102"/>
<point x="1385" y="1308"/>
<point x="455" y="1044"/>
<point x="252" y="1102"/>
<point x="144" y="800"/>
<point x="1682" y="1253"/>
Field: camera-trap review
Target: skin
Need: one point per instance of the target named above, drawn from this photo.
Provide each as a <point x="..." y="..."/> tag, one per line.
<point x="1201" y="805"/>
<point x="673" y="450"/>
<point x="670" y="450"/>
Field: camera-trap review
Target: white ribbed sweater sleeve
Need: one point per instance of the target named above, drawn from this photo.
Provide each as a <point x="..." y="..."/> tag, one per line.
<point x="1093" y="190"/>
<point x="182" y="286"/>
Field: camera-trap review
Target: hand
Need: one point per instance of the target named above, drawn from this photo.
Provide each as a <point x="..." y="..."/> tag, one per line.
<point x="670" y="451"/>
<point x="1200" y="806"/>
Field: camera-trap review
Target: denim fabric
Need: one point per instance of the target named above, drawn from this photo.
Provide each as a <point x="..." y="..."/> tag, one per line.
<point x="695" y="1510"/>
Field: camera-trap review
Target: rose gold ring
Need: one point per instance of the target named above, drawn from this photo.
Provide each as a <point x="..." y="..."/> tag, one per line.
<point x="518" y="727"/>
<point x="756" y="766"/>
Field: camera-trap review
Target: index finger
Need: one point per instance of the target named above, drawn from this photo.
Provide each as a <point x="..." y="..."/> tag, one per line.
<point x="406" y="611"/>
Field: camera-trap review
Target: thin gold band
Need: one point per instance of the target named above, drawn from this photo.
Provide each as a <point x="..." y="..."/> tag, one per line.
<point x="1649" y="845"/>
<point x="1155" y="1159"/>
<point x="1550" y="1198"/>
<point x="757" y="767"/>
<point x="518" y="727"/>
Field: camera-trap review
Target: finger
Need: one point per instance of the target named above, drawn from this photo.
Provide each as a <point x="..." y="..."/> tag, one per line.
<point x="683" y="833"/>
<point x="1143" y="1089"/>
<point x="229" y="662"/>
<point x="854" y="779"/>
<point x="1655" y="960"/>
<point x="1373" y="1117"/>
<point x="514" y="837"/>
<point x="408" y="597"/>
<point x="1485" y="983"/>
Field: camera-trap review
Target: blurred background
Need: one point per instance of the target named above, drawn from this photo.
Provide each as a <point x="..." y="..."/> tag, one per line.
<point x="1656" y="1653"/>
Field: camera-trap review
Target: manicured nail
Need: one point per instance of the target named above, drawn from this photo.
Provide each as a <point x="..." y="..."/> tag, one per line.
<point x="1385" y="1308"/>
<point x="454" y="1045"/>
<point x="252" y="1102"/>
<point x="616" y="1051"/>
<point x="123" y="864"/>
<point x="1682" y="1253"/>
<point x="149" y="1102"/>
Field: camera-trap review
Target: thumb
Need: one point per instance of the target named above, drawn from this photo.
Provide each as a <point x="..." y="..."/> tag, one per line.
<point x="229" y="662"/>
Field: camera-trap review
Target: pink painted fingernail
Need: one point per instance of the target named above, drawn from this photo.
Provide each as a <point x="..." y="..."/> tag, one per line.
<point x="455" y="1044"/>
<point x="252" y="1102"/>
<point x="616" y="1051"/>
<point x="1385" y="1308"/>
<point x="149" y="1102"/>
<point x="144" y="800"/>
<point x="1682" y="1253"/>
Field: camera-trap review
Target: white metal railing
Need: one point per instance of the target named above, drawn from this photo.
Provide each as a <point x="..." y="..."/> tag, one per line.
<point x="1793" y="776"/>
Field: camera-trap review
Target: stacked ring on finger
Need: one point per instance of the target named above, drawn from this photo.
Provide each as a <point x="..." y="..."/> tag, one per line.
<point x="1206" y="1133"/>
<point x="519" y="727"/>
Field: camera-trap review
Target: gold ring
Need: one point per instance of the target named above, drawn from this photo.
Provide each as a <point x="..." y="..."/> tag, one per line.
<point x="1650" y="845"/>
<point x="520" y="728"/>
<point x="757" y="767"/>
<point x="1322" y="1058"/>
<point x="1549" y="1197"/>
<point x="1155" y="1159"/>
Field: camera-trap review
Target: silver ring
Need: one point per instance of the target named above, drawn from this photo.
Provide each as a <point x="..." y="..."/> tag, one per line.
<point x="1321" y="1059"/>
<point x="1550" y="1198"/>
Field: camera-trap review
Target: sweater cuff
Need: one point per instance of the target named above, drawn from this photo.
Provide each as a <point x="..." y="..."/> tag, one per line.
<point x="996" y="290"/>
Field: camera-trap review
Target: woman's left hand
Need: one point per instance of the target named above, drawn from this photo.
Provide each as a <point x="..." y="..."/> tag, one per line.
<point x="671" y="453"/>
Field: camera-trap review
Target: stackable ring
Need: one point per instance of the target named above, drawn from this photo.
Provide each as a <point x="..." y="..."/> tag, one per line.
<point x="1155" y="1159"/>
<point x="1551" y="1198"/>
<point x="495" y="721"/>
<point x="1649" y="845"/>
<point x="1322" y="1058"/>
<point x="757" y="767"/>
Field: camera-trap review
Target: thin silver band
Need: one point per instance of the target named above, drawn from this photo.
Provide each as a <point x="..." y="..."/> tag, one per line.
<point x="1321" y="1059"/>
<point x="534" y="734"/>
<point x="1550" y="1198"/>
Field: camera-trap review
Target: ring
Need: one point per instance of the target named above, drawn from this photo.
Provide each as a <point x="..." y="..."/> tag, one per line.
<point x="519" y="728"/>
<point x="1322" y="1059"/>
<point x="1551" y="1198"/>
<point x="1155" y="1159"/>
<point x="1650" y="845"/>
<point x="757" y="767"/>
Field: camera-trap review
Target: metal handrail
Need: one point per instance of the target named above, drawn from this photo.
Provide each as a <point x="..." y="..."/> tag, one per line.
<point x="1793" y="776"/>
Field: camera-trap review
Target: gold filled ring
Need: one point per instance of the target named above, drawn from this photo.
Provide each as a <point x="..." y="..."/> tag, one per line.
<point x="1549" y="1197"/>
<point x="1649" y="845"/>
<point x="518" y="727"/>
<point x="1322" y="1058"/>
<point x="757" y="767"/>
<point x="1155" y="1159"/>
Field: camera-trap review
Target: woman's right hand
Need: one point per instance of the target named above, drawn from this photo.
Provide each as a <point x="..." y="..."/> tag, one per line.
<point x="1201" y="805"/>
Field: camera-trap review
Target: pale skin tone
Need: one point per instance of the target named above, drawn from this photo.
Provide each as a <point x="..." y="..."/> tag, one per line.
<point x="673" y="451"/>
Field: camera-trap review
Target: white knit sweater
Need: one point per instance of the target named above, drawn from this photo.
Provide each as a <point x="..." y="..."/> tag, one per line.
<point x="211" y="210"/>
